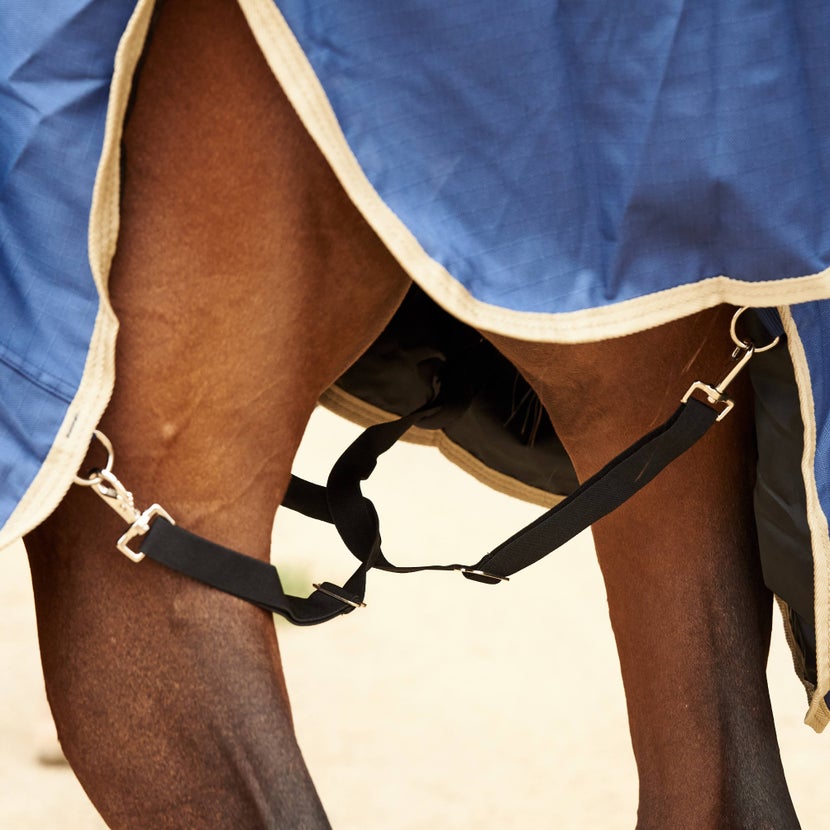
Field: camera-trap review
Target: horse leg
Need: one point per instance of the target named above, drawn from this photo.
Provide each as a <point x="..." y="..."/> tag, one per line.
<point x="689" y="611"/>
<point x="241" y="286"/>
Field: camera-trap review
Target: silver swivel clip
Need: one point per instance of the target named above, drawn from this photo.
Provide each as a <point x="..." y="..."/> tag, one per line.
<point x="742" y="354"/>
<point x="114" y="494"/>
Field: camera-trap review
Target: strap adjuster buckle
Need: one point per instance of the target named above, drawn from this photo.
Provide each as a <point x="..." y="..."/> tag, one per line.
<point x="345" y="600"/>
<point x="478" y="575"/>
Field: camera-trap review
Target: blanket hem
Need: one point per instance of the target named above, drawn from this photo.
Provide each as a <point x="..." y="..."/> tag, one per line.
<point x="818" y="715"/>
<point x="56" y="474"/>
<point x="295" y="74"/>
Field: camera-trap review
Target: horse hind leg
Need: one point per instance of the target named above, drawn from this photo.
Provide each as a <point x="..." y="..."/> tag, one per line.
<point x="240" y="283"/>
<point x="690" y="614"/>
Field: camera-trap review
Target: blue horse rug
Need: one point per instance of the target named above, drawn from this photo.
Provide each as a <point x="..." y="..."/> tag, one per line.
<point x="566" y="172"/>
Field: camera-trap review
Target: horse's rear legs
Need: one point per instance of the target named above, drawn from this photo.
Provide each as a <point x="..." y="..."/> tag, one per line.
<point x="242" y="289"/>
<point x="689" y="611"/>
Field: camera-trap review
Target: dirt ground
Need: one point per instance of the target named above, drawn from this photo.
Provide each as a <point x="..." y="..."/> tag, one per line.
<point x="445" y="704"/>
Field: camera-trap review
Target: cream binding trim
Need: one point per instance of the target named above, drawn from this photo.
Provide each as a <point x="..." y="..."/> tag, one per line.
<point x="299" y="82"/>
<point x="818" y="715"/>
<point x="365" y="415"/>
<point x="67" y="453"/>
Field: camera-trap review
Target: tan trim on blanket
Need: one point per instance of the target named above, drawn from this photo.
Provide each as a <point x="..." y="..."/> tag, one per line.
<point x="818" y="715"/>
<point x="799" y="663"/>
<point x="364" y="414"/>
<point x="70" y="445"/>
<point x="297" y="78"/>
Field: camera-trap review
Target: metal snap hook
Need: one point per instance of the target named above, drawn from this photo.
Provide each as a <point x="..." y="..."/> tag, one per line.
<point x="474" y="572"/>
<point x="113" y="493"/>
<point x="742" y="354"/>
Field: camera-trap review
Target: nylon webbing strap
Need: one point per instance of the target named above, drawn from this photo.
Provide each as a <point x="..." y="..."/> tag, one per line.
<point x="599" y="495"/>
<point x="240" y="575"/>
<point x="342" y="503"/>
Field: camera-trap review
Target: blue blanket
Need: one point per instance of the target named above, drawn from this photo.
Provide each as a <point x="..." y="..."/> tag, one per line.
<point x="561" y="172"/>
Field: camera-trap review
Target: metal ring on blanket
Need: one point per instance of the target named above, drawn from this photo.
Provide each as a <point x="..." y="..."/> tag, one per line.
<point x="744" y="345"/>
<point x="95" y="478"/>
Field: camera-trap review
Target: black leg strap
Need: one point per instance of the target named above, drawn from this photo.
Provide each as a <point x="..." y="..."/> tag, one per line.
<point x="342" y="503"/>
<point x="599" y="495"/>
<point x="243" y="576"/>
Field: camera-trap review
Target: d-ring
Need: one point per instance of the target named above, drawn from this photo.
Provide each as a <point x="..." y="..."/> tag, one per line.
<point x="95" y="479"/>
<point x="745" y="344"/>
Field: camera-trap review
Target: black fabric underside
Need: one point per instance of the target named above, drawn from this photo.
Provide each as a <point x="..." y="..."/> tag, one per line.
<point x="505" y="426"/>
<point x="780" y="500"/>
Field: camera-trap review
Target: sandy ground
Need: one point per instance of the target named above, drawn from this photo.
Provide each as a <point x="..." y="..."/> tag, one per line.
<point x="445" y="704"/>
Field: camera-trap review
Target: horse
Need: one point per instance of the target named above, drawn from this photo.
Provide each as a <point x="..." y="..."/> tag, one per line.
<point x="246" y="282"/>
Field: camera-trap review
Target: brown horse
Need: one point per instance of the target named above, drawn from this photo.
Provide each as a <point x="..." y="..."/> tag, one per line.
<point x="246" y="283"/>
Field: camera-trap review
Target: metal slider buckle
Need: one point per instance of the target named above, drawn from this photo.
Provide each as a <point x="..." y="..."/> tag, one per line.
<point x="486" y="574"/>
<point x="114" y="494"/>
<point x="342" y="599"/>
<point x="742" y="354"/>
